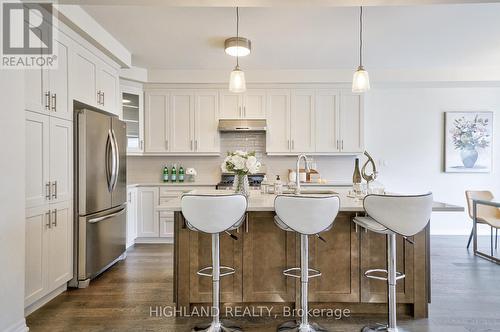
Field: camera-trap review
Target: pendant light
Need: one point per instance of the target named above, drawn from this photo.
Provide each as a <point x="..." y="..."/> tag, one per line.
<point x="237" y="82"/>
<point x="360" y="80"/>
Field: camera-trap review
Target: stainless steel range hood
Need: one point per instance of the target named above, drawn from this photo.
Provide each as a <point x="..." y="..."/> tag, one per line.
<point x="242" y="125"/>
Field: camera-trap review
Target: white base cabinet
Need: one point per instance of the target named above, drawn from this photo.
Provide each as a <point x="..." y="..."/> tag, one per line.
<point x="131" y="216"/>
<point x="49" y="249"/>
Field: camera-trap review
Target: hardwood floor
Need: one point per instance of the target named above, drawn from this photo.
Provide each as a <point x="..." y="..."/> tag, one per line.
<point x="465" y="297"/>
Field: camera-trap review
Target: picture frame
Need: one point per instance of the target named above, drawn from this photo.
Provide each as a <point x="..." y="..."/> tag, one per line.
<point x="468" y="142"/>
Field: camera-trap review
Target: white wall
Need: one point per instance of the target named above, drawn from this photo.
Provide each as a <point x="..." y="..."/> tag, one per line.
<point x="12" y="198"/>
<point x="405" y="128"/>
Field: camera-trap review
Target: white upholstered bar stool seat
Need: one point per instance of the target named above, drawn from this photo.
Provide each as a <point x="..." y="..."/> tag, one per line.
<point x="391" y="215"/>
<point x="214" y="214"/>
<point x="306" y="215"/>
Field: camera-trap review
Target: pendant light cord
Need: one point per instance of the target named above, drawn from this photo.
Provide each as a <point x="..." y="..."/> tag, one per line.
<point x="361" y="36"/>
<point x="237" y="36"/>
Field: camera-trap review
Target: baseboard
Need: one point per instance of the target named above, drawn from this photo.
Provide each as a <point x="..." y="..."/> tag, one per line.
<point x="18" y="327"/>
<point x="145" y="240"/>
<point x="44" y="300"/>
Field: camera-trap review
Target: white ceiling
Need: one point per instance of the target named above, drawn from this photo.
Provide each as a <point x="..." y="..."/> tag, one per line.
<point x="161" y="37"/>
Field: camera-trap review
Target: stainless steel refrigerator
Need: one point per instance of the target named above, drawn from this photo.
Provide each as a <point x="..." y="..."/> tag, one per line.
<point x="100" y="193"/>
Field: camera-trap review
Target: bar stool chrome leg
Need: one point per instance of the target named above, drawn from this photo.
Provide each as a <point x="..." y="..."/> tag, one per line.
<point x="303" y="325"/>
<point x="216" y="325"/>
<point x="392" y="277"/>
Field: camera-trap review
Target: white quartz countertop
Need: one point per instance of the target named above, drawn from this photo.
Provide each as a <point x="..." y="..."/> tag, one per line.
<point x="265" y="202"/>
<point x="172" y="184"/>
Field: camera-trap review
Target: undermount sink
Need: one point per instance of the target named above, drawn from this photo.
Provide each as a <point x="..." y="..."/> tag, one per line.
<point x="311" y="192"/>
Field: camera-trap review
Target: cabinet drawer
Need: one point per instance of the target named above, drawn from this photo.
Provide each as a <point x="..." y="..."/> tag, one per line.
<point x="167" y="214"/>
<point x="169" y="192"/>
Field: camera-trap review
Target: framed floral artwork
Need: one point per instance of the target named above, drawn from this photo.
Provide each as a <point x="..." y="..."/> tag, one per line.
<point x="468" y="142"/>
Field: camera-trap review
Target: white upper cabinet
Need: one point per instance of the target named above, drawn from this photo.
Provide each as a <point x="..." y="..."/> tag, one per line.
<point x="156" y="118"/>
<point x="302" y="121"/>
<point x="351" y="122"/>
<point x="46" y="90"/>
<point x="206" y="120"/>
<point x="327" y="119"/>
<point x="93" y="81"/>
<point x="248" y="105"/>
<point x="181" y="121"/>
<point x="133" y="115"/>
<point x="278" y="121"/>
<point x="83" y="76"/>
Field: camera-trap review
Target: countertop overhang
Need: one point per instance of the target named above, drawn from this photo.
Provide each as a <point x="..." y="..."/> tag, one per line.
<point x="265" y="202"/>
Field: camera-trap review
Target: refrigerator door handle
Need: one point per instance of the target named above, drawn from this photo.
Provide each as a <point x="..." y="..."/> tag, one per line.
<point x="109" y="153"/>
<point x="116" y="161"/>
<point x="94" y="220"/>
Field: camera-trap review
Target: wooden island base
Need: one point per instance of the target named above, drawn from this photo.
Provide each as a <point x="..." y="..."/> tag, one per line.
<point x="263" y="251"/>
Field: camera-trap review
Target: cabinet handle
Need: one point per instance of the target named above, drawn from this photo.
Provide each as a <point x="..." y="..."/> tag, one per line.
<point x="293" y="144"/>
<point x="47" y="190"/>
<point x="54" y="102"/>
<point x="102" y="93"/>
<point x="47" y="100"/>
<point x="246" y="223"/>
<point x="54" y="185"/>
<point x="196" y="144"/>
<point x="244" y="111"/>
<point x="49" y="221"/>
<point x="130" y="197"/>
<point x="241" y="111"/>
<point x="141" y="144"/>
<point x="288" y="144"/>
<point x="166" y="143"/>
<point x="191" y="145"/>
<point x="54" y="223"/>
<point x="99" y="97"/>
<point x="342" y="147"/>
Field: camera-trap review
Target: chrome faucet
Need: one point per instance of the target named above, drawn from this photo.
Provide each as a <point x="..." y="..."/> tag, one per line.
<point x="297" y="174"/>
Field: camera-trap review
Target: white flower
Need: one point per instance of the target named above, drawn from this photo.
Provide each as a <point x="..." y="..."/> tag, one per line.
<point x="238" y="162"/>
<point x="251" y="162"/>
<point x="254" y="168"/>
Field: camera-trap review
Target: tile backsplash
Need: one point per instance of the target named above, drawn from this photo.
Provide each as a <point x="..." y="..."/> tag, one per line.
<point x="149" y="168"/>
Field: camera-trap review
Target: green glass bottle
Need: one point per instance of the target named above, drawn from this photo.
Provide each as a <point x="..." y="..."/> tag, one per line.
<point x="181" y="174"/>
<point x="173" y="175"/>
<point x="165" y="173"/>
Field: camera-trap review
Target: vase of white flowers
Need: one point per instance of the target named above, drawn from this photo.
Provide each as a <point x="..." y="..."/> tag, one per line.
<point x="240" y="163"/>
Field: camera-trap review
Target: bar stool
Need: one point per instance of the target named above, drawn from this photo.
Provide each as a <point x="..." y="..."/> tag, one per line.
<point x="391" y="215"/>
<point x="214" y="214"/>
<point x="306" y="215"/>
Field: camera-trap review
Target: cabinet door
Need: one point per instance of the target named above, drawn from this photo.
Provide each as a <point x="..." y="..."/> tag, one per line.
<point x="60" y="245"/>
<point x="200" y="256"/>
<point x="230" y="105"/>
<point x="58" y="79"/>
<point x="37" y="159"/>
<point x="254" y="105"/>
<point x="133" y="115"/>
<point x="302" y="121"/>
<point x="36" y="91"/>
<point x="266" y="282"/>
<point x="374" y="256"/>
<point x="83" y="77"/>
<point x="206" y="121"/>
<point x="61" y="159"/>
<point x="278" y="121"/>
<point x="156" y="118"/>
<point x="36" y="262"/>
<point x="147" y="217"/>
<point x="327" y="106"/>
<point x="167" y="227"/>
<point x="181" y="121"/>
<point x="108" y="85"/>
<point x="338" y="261"/>
<point x="351" y="122"/>
<point x="131" y="216"/>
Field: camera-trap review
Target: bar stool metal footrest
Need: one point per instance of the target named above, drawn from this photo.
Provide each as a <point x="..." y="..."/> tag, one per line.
<point x="287" y="272"/>
<point x="372" y="274"/>
<point x="297" y="326"/>
<point x="204" y="272"/>
<point x="223" y="326"/>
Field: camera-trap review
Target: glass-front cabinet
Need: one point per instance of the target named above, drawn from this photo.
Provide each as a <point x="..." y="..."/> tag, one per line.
<point x="133" y="115"/>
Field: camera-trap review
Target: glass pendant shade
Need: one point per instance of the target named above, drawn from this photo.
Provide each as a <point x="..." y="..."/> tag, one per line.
<point x="237" y="82"/>
<point x="360" y="80"/>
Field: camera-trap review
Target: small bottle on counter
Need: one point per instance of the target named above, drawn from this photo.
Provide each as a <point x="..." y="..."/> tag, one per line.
<point x="165" y="173"/>
<point x="278" y="186"/>
<point x="263" y="185"/>
<point x="173" y="176"/>
<point x="181" y="174"/>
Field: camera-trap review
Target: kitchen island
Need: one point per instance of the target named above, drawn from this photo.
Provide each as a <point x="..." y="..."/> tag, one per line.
<point x="263" y="251"/>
